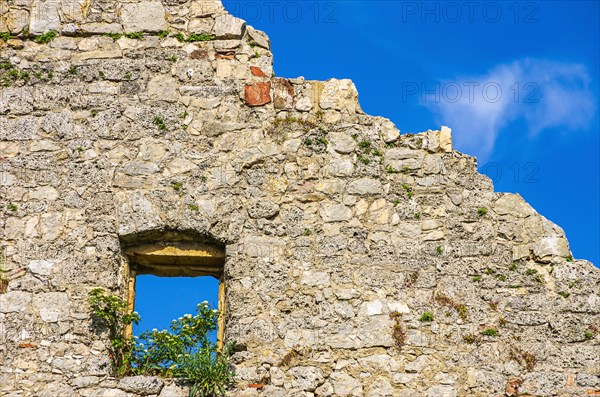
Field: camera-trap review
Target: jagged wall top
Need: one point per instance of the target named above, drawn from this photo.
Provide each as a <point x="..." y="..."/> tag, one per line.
<point x="85" y="17"/>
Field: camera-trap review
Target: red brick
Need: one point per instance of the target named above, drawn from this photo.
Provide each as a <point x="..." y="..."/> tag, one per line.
<point x="258" y="94"/>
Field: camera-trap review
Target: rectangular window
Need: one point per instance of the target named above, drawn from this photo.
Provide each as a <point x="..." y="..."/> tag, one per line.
<point x="175" y="263"/>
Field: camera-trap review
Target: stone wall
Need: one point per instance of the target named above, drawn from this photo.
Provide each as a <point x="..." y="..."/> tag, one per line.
<point x="343" y="237"/>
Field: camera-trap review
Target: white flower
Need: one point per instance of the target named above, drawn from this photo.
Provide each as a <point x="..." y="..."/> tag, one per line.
<point x="187" y="316"/>
<point x="135" y="337"/>
<point x="180" y="318"/>
<point x="154" y="330"/>
<point x="215" y="310"/>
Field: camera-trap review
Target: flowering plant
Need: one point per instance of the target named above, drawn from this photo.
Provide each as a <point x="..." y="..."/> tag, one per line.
<point x="184" y="351"/>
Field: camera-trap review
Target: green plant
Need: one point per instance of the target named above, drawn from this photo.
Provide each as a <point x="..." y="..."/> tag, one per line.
<point x="127" y="76"/>
<point x="163" y="34"/>
<point x="12" y="207"/>
<point x="72" y="70"/>
<point x="482" y="211"/>
<point x="471" y="339"/>
<point x="417" y="215"/>
<point x="426" y="317"/>
<point x="574" y="283"/>
<point x="160" y="123"/>
<point x="391" y="170"/>
<point x="408" y="189"/>
<point x="530" y="272"/>
<point x="94" y="112"/>
<point x="5" y="36"/>
<point x="193" y="207"/>
<point x="363" y="159"/>
<point x="46" y="37"/>
<point x="184" y="351"/>
<point x="111" y="312"/>
<point x="445" y="300"/>
<point x="569" y="259"/>
<point x="477" y="278"/>
<point x="490" y="332"/>
<point x="134" y="35"/>
<point x="177" y="186"/>
<point x="538" y="278"/>
<point x="439" y="250"/>
<point x="365" y="145"/>
<point x="307" y="232"/>
<point x="114" y="36"/>
<point x="321" y="141"/>
<point x="564" y="294"/>
<point x="489" y="271"/>
<point x="588" y="334"/>
<point x="377" y="152"/>
<point x="513" y="266"/>
<point x="501" y="277"/>
<point x="194" y="37"/>
<point x="173" y="58"/>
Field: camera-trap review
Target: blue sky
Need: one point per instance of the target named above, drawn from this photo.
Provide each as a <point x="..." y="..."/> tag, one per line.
<point x="518" y="82"/>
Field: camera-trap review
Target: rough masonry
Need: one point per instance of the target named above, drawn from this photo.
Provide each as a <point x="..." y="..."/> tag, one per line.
<point x="360" y="262"/>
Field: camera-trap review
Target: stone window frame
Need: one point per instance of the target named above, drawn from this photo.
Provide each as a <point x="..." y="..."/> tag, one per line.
<point x="176" y="259"/>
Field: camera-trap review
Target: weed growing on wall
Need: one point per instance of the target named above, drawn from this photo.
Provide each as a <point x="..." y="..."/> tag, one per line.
<point x="184" y="351"/>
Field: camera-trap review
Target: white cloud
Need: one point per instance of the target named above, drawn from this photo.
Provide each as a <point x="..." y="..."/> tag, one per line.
<point x="546" y="94"/>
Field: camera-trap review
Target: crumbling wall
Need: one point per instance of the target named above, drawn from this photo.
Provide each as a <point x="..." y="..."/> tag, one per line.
<point x="359" y="261"/>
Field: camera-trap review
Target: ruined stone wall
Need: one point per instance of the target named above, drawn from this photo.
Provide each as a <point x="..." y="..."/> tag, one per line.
<point x="340" y="233"/>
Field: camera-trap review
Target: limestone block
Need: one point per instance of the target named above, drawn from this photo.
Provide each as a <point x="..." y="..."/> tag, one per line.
<point x="44" y="16"/>
<point x="283" y="94"/>
<point x="229" y="27"/>
<point x="258" y="38"/>
<point x="14" y="21"/>
<point x="15" y="301"/>
<point x="143" y="385"/>
<point x="339" y="95"/>
<point x="365" y="186"/>
<point x="41" y="267"/>
<point x="335" y="212"/>
<point x="51" y="306"/>
<point x="145" y="16"/>
<point x="163" y="88"/>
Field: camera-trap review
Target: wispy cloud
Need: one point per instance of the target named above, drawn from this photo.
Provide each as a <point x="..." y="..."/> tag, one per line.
<point x="546" y="94"/>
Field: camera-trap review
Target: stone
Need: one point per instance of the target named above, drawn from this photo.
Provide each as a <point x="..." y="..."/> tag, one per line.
<point x="339" y="95"/>
<point x="15" y="21"/>
<point x="257" y="94"/>
<point x="256" y="71"/>
<point x="41" y="267"/>
<point x="258" y="38"/>
<point x="365" y="187"/>
<point x="342" y="142"/>
<point x="441" y="391"/>
<point x="514" y="205"/>
<point x="51" y="306"/>
<point x="15" y="302"/>
<point x="283" y="94"/>
<point x="446" y="139"/>
<point x="163" y="88"/>
<point x="306" y="378"/>
<point x="44" y="17"/>
<point x="142" y="385"/>
<point x="345" y="385"/>
<point x="335" y="212"/>
<point x="229" y="27"/>
<point x="143" y="16"/>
